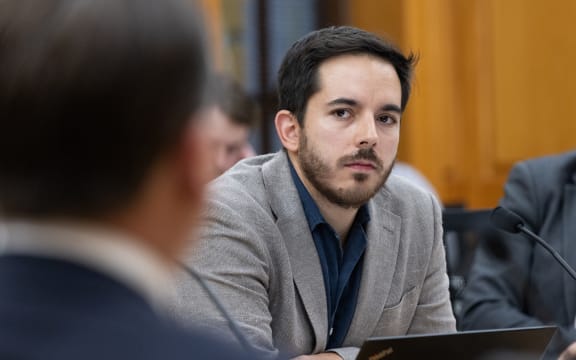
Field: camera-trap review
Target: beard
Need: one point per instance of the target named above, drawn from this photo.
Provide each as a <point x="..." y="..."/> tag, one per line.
<point x="318" y="172"/>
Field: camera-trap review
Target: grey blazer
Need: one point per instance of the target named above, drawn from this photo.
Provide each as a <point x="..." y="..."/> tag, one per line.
<point x="258" y="255"/>
<point x="521" y="284"/>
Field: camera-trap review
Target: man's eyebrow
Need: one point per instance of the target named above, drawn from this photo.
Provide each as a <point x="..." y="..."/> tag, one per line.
<point x="352" y="102"/>
<point x="343" y="101"/>
<point x="392" y="107"/>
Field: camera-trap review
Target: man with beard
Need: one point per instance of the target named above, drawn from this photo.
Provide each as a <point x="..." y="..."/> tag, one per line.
<point x="315" y="248"/>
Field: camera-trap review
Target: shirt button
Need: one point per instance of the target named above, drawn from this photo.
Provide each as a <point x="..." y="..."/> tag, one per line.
<point x="331" y="331"/>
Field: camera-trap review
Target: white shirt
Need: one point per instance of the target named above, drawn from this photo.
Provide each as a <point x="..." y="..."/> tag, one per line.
<point x="104" y="250"/>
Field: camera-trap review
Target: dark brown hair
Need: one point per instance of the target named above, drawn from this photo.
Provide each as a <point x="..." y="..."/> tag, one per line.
<point x="298" y="74"/>
<point x="224" y="92"/>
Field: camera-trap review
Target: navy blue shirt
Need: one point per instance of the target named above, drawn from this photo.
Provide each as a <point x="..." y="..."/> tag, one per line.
<point x="342" y="268"/>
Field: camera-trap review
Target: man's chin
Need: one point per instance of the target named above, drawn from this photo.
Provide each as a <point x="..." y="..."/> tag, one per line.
<point x="355" y="196"/>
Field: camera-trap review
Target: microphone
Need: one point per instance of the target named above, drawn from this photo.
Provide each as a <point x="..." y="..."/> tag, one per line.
<point x="511" y="222"/>
<point x="231" y="323"/>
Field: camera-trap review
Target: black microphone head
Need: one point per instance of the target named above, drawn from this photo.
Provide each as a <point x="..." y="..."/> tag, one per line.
<point x="506" y="220"/>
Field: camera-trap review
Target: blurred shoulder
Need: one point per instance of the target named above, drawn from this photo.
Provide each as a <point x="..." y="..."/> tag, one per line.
<point x="552" y="169"/>
<point x="551" y="162"/>
<point x="194" y="342"/>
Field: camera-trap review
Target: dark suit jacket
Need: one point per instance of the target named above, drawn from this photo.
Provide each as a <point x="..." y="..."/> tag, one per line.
<point x="516" y="282"/>
<point x="52" y="309"/>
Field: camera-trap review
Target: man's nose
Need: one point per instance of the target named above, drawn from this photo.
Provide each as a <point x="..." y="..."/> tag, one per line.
<point x="366" y="135"/>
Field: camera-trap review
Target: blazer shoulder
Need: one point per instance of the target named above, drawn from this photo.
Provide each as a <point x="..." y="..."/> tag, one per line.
<point x="403" y="194"/>
<point x="415" y="208"/>
<point x="553" y="170"/>
<point x="243" y="180"/>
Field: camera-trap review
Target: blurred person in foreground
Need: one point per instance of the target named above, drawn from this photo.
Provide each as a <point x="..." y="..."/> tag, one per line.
<point x="101" y="177"/>
<point x="231" y="113"/>
<point x="315" y="248"/>
<point x="516" y="282"/>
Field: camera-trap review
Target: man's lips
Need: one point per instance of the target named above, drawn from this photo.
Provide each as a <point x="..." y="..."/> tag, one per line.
<point x="361" y="165"/>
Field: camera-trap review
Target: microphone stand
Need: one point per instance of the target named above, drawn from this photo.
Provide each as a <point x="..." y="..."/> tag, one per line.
<point x="549" y="248"/>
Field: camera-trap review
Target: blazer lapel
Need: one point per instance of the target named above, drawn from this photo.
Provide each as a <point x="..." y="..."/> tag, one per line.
<point x="569" y="246"/>
<point x="304" y="261"/>
<point x="379" y="264"/>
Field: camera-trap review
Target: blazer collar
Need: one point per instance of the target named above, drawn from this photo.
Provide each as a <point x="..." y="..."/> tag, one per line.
<point x="379" y="264"/>
<point x="308" y="279"/>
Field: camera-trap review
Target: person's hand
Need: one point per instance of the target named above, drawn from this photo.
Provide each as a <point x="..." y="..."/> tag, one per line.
<point x="321" y="356"/>
<point x="569" y="353"/>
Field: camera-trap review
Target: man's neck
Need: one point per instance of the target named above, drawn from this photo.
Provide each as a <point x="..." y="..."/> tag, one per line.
<point x="339" y="218"/>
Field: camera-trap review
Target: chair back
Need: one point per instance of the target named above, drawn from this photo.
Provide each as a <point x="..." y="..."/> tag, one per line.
<point x="464" y="229"/>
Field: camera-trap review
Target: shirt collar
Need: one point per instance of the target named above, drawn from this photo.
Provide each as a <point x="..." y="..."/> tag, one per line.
<point x="110" y="252"/>
<point x="311" y="210"/>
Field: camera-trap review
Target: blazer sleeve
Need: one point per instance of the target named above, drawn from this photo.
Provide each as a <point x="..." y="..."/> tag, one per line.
<point x="434" y="310"/>
<point x="494" y="295"/>
<point x="232" y="258"/>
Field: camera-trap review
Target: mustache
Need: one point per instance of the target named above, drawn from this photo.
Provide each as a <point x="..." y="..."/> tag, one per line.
<point x="362" y="154"/>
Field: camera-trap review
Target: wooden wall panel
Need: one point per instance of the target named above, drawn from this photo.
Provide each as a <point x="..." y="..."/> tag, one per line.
<point x="433" y="123"/>
<point x="494" y="86"/>
<point x="385" y="17"/>
<point x="535" y="87"/>
<point x="213" y="21"/>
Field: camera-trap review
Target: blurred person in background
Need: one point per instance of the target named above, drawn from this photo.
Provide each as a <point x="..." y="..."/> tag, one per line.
<point x="101" y="177"/>
<point x="518" y="283"/>
<point x="230" y="116"/>
<point x="414" y="175"/>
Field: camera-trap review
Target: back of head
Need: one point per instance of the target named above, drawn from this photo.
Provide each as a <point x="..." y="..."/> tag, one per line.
<point x="92" y="93"/>
<point x="298" y="74"/>
<point x="225" y="93"/>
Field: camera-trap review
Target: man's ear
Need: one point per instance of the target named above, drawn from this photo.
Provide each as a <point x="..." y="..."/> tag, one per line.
<point x="288" y="130"/>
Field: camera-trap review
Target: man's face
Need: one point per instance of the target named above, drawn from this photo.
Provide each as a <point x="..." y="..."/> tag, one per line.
<point x="228" y="141"/>
<point x="349" y="141"/>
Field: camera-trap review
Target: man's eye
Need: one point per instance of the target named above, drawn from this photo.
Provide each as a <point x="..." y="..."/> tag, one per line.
<point x="387" y="119"/>
<point x="342" y="113"/>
